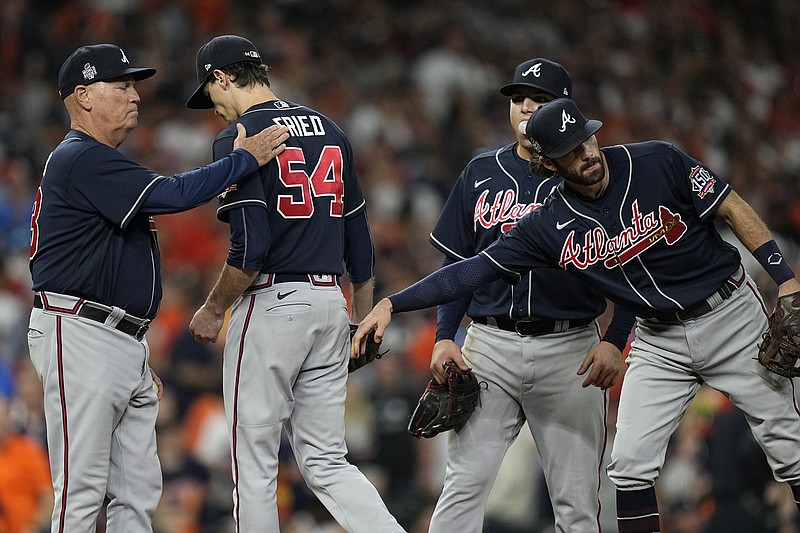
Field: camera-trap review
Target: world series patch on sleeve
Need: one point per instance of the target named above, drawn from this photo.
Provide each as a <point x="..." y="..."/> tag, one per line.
<point x="780" y="350"/>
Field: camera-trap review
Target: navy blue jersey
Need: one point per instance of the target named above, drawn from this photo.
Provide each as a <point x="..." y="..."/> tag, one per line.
<point x="290" y="217"/>
<point x="648" y="242"/>
<point x="494" y="191"/>
<point x="88" y="237"/>
<point x="92" y="233"/>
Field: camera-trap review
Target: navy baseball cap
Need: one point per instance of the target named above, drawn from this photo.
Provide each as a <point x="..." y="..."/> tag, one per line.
<point x="558" y="127"/>
<point x="541" y="74"/>
<point x="217" y="53"/>
<point x="96" y="62"/>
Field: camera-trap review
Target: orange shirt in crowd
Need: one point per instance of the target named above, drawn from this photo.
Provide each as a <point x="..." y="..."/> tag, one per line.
<point x="24" y="480"/>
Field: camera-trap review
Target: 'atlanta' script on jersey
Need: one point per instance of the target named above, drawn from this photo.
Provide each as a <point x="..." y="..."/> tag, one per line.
<point x="503" y="210"/>
<point x="645" y="231"/>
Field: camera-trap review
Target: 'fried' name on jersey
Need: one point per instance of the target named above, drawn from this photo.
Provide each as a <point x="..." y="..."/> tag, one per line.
<point x="301" y="125"/>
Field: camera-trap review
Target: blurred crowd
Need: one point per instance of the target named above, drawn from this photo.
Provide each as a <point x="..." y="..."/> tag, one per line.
<point x="415" y="87"/>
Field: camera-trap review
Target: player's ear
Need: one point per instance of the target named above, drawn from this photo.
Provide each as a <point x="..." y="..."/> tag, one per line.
<point x="547" y="163"/>
<point x="220" y="77"/>
<point x="81" y="96"/>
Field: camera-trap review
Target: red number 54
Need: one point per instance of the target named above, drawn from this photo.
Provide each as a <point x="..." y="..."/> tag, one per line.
<point x="325" y="180"/>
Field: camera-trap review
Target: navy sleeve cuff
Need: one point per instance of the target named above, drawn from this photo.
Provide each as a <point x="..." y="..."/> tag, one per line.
<point x="620" y="327"/>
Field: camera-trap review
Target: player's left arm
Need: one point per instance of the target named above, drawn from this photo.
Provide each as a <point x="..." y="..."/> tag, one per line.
<point x="361" y="296"/>
<point x="753" y="233"/>
<point x="359" y="261"/>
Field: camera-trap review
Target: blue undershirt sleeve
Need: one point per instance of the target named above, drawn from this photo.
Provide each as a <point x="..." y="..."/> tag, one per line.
<point x="359" y="256"/>
<point x="449" y="315"/>
<point x="445" y="285"/>
<point x="620" y="327"/>
<point x="172" y="194"/>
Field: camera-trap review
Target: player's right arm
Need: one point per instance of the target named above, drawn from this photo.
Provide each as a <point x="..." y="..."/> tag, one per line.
<point x="208" y="320"/>
<point x="444" y="285"/>
<point x="250" y="242"/>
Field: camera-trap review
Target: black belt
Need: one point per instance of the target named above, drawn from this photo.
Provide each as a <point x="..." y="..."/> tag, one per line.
<point x="531" y="328"/>
<point x="133" y="327"/>
<point x="265" y="280"/>
<point x="288" y="278"/>
<point x="699" y="309"/>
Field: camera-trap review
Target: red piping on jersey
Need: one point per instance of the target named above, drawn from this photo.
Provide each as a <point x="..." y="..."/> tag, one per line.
<point x="758" y="297"/>
<point x="65" y="433"/>
<point x="236" y="409"/>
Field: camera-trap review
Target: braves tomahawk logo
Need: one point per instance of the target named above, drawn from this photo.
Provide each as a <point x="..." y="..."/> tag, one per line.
<point x="504" y="210"/>
<point x="645" y="231"/>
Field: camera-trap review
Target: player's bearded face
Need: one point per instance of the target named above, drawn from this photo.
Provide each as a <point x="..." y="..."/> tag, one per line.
<point x="588" y="172"/>
<point x="582" y="166"/>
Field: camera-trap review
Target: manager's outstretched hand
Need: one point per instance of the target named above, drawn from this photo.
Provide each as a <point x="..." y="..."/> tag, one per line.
<point x="377" y="320"/>
<point x="264" y="145"/>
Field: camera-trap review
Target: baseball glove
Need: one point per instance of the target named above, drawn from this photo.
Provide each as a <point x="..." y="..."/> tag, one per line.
<point x="445" y="406"/>
<point x="371" y="352"/>
<point x="780" y="351"/>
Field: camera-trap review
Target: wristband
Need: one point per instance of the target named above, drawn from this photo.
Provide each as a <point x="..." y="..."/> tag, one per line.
<point x="770" y="258"/>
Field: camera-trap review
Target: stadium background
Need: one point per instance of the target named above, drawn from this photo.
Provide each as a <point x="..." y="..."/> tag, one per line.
<point x="414" y="84"/>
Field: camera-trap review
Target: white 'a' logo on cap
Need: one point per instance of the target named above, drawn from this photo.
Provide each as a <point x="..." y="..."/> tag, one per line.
<point x="536" y="70"/>
<point x="207" y="66"/>
<point x="566" y="118"/>
<point x="124" y="57"/>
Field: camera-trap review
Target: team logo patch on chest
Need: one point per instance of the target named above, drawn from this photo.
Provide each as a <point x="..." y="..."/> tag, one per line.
<point x="702" y="181"/>
<point x="645" y="231"/>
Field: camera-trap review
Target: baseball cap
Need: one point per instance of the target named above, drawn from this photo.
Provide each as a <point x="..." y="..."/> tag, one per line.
<point x="558" y="127"/>
<point x="96" y="62"/>
<point x="541" y="74"/>
<point x="219" y="52"/>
